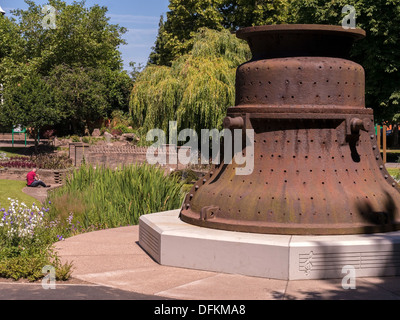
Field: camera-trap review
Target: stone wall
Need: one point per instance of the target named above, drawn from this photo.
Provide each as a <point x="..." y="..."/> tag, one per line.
<point x="115" y="156"/>
<point x="77" y="151"/>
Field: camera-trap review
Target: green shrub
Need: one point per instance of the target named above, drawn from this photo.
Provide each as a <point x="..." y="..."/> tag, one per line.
<point x="28" y="265"/>
<point x="187" y="176"/>
<point x="124" y="129"/>
<point x="75" y="139"/>
<point x="395" y="173"/>
<point x="120" y="118"/>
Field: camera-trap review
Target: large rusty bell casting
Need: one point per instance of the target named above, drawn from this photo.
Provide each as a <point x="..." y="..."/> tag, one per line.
<point x="317" y="168"/>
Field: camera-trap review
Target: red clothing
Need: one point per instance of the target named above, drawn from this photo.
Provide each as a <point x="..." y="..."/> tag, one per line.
<point x="30" y="177"/>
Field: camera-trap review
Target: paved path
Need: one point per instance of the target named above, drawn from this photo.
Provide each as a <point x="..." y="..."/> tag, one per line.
<point x="39" y="193"/>
<point x="65" y="291"/>
<point x="113" y="258"/>
<point x="110" y="265"/>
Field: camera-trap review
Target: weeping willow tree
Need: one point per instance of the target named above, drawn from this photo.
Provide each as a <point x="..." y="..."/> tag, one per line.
<point x="196" y="90"/>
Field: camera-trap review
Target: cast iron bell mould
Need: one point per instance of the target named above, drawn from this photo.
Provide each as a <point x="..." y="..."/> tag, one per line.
<point x="317" y="168"/>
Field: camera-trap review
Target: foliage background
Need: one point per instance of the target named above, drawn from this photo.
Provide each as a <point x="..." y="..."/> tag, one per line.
<point x="167" y="90"/>
<point x="190" y="74"/>
<point x="378" y="53"/>
<point x="196" y="90"/>
<point x="79" y="61"/>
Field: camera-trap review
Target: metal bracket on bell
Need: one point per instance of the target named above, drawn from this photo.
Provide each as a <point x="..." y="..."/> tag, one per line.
<point x="208" y="212"/>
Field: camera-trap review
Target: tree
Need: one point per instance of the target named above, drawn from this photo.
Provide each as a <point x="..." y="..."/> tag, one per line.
<point x="196" y="90"/>
<point x="160" y="55"/>
<point x="81" y="55"/>
<point x="30" y="104"/>
<point x="11" y="51"/>
<point x="186" y="17"/>
<point x="379" y="53"/>
<point x="9" y="38"/>
<point x="136" y="70"/>
<point x="80" y="95"/>
<point x="86" y="95"/>
<point x="83" y="36"/>
<point x="118" y="86"/>
<point x="246" y="13"/>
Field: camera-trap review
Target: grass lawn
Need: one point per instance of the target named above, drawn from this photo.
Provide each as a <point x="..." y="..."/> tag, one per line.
<point x="12" y="152"/>
<point x="13" y="189"/>
<point x="393" y="171"/>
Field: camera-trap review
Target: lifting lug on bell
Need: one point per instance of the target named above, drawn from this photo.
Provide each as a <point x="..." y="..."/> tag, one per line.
<point x="358" y="124"/>
<point x="233" y="123"/>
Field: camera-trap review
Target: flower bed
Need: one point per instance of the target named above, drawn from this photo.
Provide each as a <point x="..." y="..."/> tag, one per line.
<point x="18" y="162"/>
<point x="19" y="221"/>
<point x="26" y="240"/>
<point x="41" y="161"/>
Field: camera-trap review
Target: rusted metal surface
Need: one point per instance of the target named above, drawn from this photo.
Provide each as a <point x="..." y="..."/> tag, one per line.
<point x="317" y="166"/>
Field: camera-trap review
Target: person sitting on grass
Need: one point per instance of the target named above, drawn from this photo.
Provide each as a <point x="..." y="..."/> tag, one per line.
<point x="33" y="180"/>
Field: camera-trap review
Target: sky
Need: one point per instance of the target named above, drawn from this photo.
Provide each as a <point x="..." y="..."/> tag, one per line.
<point x="140" y="17"/>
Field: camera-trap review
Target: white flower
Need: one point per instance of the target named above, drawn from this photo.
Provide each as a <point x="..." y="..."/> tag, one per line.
<point x="20" y="221"/>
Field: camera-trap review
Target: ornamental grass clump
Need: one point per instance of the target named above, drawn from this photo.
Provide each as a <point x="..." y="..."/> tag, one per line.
<point x="105" y="198"/>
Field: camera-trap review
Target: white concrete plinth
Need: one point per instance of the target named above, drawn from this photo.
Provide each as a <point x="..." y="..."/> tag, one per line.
<point x="172" y="242"/>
